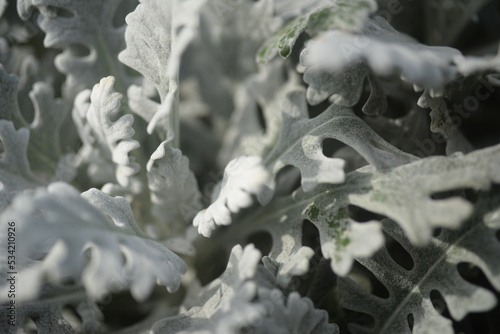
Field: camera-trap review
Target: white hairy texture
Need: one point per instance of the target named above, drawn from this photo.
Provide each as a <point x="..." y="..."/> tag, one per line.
<point x="244" y="177"/>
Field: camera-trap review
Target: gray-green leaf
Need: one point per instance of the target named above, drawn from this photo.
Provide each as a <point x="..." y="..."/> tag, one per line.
<point x="435" y="268"/>
<point x="343" y="15"/>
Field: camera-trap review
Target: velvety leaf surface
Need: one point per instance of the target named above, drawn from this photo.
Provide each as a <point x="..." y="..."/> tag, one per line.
<point x="106" y="143"/>
<point x="156" y="36"/>
<point x="243" y="177"/>
<point x="342" y="15"/>
<point x="15" y="171"/>
<point x="173" y="187"/>
<point x="88" y="36"/>
<point x="49" y="311"/>
<point x="435" y="268"/>
<point x="301" y="138"/>
<point x="386" y="51"/>
<point x="44" y="149"/>
<point x="92" y="239"/>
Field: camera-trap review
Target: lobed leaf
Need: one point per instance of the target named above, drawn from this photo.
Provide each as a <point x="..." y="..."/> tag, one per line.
<point x="244" y="298"/>
<point x="86" y="33"/>
<point x="48" y="313"/>
<point x="90" y="239"/>
<point x="342" y="239"/>
<point x="385" y="51"/>
<point x="223" y="306"/>
<point x="156" y="39"/>
<point x="300" y="144"/>
<point x="243" y="177"/>
<point x="301" y="138"/>
<point x="229" y="34"/>
<point x="295" y="316"/>
<point x="434" y="269"/>
<point x="404" y="194"/>
<point x="106" y="143"/>
<point x="247" y="133"/>
<point x="44" y="149"/>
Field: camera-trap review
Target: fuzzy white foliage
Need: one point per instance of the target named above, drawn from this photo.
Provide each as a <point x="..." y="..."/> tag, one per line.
<point x="324" y="15"/>
<point x="226" y="304"/>
<point x="386" y="51"/>
<point x="435" y="268"/>
<point x="45" y="127"/>
<point x="156" y="39"/>
<point x="393" y="193"/>
<point x="79" y="27"/>
<point x="243" y="177"/>
<point x="98" y="244"/>
<point x="48" y="312"/>
<point x="44" y="147"/>
<point x="74" y="248"/>
<point x="469" y="65"/>
<point x="344" y="87"/>
<point x="282" y="219"/>
<point x="405" y="196"/>
<point x="106" y="143"/>
<point x="266" y="89"/>
<point x="296" y="315"/>
<point x="300" y="142"/>
<point x="157" y="35"/>
<point x="168" y="174"/>
<point x="244" y="297"/>
<point x="342" y="239"/>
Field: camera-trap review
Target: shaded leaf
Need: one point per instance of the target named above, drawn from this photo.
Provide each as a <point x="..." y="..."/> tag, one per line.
<point x="229" y="35"/>
<point x="435" y="268"/>
<point x="85" y="31"/>
<point x="45" y="143"/>
<point x="265" y="90"/>
<point x="15" y="171"/>
<point x="296" y="315"/>
<point x="225" y="305"/>
<point x="48" y="313"/>
<point x="342" y="239"/>
<point x="404" y="194"/>
<point x="9" y="108"/>
<point x="44" y="149"/>
<point x="447" y="21"/>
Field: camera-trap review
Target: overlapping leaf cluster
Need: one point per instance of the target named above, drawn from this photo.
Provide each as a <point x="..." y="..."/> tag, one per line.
<point x="274" y="164"/>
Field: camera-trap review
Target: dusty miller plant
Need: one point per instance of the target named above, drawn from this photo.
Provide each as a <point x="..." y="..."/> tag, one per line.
<point x="240" y="166"/>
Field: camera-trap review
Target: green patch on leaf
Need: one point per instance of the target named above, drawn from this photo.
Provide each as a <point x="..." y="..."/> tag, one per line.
<point x="336" y="222"/>
<point x="312" y="212"/>
<point x="343" y="15"/>
<point x="347" y="16"/>
<point x="282" y="41"/>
